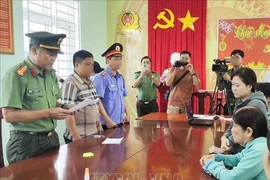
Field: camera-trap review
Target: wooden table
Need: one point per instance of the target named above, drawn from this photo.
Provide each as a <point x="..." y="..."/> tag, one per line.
<point x="173" y="156"/>
<point x="146" y="151"/>
<point x="162" y="116"/>
<point x="162" y="119"/>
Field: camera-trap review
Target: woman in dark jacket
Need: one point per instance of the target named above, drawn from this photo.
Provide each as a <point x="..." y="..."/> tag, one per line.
<point x="244" y="82"/>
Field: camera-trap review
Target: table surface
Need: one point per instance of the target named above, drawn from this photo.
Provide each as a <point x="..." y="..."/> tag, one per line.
<point x="175" y="155"/>
<point x="163" y="116"/>
<point x="149" y="149"/>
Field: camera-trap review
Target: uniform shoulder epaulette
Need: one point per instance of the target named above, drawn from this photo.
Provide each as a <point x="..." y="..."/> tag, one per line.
<point x="137" y="72"/>
<point x="103" y="73"/>
<point x="22" y="70"/>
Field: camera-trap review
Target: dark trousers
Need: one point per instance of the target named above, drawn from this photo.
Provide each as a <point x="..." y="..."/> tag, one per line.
<point x="105" y="127"/>
<point x="22" y="146"/>
<point x="144" y="108"/>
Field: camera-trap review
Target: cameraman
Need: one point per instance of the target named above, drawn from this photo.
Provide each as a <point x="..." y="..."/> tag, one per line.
<point x="181" y="93"/>
<point x="237" y="57"/>
<point x="174" y="57"/>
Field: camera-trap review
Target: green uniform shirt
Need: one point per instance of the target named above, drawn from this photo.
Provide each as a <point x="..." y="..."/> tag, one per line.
<point x="147" y="90"/>
<point x="31" y="91"/>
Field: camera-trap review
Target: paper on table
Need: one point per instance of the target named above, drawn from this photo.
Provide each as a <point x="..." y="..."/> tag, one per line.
<point x="82" y="104"/>
<point x="198" y="115"/>
<point x="112" y="141"/>
<point x="201" y="116"/>
<point x="206" y="117"/>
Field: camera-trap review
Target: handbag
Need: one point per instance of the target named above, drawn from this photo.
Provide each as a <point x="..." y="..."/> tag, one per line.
<point x="167" y="93"/>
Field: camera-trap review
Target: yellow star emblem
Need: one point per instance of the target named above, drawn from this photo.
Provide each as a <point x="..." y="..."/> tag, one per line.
<point x="188" y="21"/>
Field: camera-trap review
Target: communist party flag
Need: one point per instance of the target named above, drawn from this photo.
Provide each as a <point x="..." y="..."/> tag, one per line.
<point x="174" y="26"/>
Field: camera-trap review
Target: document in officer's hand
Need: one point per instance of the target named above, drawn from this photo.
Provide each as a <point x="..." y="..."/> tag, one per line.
<point x="84" y="103"/>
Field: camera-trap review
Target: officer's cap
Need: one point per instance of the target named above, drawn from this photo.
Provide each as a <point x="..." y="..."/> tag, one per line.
<point x="47" y="40"/>
<point x="116" y="48"/>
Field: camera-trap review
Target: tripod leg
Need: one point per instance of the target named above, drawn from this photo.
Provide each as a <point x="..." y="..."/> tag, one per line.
<point x="227" y="101"/>
<point x="212" y="103"/>
<point x="219" y="107"/>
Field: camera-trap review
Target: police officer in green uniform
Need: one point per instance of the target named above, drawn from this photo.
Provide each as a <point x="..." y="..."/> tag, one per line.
<point x="237" y="57"/>
<point x="29" y="99"/>
<point x="146" y="83"/>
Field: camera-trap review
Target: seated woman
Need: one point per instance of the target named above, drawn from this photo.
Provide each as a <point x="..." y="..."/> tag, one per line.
<point x="266" y="158"/>
<point x="250" y="131"/>
<point x="265" y="89"/>
<point x="244" y="82"/>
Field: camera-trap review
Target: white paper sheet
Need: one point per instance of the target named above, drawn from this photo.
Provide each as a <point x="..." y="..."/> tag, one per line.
<point x="82" y="104"/>
<point x="206" y="117"/>
<point x="112" y="141"/>
<point x="198" y="115"/>
<point x="201" y="116"/>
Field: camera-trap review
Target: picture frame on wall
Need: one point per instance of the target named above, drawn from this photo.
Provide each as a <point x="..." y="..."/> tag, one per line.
<point x="6" y="27"/>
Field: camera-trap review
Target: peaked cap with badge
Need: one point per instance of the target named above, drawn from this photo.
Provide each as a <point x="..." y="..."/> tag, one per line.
<point x="116" y="48"/>
<point x="47" y="40"/>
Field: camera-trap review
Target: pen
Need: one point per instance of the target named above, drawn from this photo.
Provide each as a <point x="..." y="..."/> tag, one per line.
<point x="97" y="136"/>
<point x="86" y="174"/>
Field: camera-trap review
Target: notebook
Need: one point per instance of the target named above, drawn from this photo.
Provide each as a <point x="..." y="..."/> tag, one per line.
<point x="205" y="121"/>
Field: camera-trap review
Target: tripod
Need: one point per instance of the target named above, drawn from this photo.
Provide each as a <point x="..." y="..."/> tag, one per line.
<point x="220" y="83"/>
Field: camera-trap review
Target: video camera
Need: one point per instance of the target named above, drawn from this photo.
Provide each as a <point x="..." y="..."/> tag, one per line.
<point x="220" y="65"/>
<point x="180" y="63"/>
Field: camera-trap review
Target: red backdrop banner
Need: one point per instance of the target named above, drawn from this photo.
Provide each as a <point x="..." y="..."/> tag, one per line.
<point x="174" y="26"/>
<point x="252" y="35"/>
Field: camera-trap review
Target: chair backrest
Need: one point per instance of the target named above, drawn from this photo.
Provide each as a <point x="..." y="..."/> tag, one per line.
<point x="1" y="147"/>
<point x="202" y="103"/>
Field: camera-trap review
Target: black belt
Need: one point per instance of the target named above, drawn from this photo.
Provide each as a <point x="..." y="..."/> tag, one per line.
<point x="120" y="124"/>
<point x="146" y="102"/>
<point x="34" y="133"/>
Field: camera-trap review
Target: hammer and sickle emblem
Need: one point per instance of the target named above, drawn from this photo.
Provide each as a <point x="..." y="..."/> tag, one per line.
<point x="170" y="22"/>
